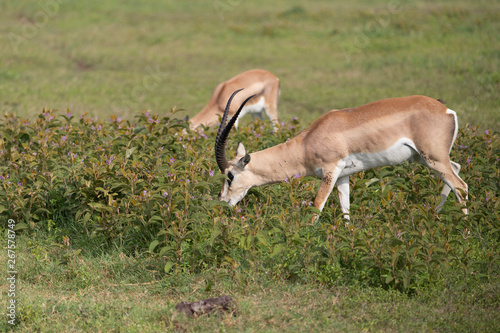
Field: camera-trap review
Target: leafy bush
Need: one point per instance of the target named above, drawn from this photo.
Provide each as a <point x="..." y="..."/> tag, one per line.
<point x="152" y="185"/>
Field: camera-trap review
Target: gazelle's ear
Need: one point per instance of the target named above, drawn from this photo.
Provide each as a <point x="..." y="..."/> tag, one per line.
<point x="240" y="150"/>
<point x="243" y="161"/>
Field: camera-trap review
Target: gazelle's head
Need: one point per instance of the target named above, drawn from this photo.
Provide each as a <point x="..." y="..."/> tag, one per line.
<point x="238" y="179"/>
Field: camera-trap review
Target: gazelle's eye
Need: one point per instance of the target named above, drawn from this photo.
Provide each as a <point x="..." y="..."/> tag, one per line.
<point x="231" y="177"/>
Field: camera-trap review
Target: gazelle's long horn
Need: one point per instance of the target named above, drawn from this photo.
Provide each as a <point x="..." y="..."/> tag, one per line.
<point x="222" y="133"/>
<point x="224" y="116"/>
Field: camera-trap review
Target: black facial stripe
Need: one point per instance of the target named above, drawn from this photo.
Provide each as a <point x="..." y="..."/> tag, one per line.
<point x="231" y="177"/>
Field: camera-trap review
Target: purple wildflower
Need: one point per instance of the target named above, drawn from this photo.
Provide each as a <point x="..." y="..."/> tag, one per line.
<point x="111" y="158"/>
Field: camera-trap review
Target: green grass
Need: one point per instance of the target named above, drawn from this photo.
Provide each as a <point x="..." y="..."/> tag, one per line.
<point x="143" y="238"/>
<point x="116" y="292"/>
<point x="97" y="57"/>
<point x="137" y="203"/>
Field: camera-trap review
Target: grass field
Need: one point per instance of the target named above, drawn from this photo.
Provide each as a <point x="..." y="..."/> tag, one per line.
<point x="114" y="207"/>
<point x="109" y="57"/>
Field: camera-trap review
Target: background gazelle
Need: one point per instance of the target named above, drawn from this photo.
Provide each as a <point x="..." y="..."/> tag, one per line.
<point x="261" y="83"/>
<point x="342" y="142"/>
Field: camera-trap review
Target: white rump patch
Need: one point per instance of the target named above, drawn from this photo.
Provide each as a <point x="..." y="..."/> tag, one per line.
<point x="449" y="111"/>
<point x="256" y="110"/>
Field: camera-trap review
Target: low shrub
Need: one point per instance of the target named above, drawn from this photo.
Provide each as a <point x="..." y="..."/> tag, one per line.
<point x="152" y="185"/>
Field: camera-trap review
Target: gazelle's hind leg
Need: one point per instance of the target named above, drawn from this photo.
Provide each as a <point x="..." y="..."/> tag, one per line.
<point x="271" y="103"/>
<point x="448" y="171"/>
<point x="446" y="189"/>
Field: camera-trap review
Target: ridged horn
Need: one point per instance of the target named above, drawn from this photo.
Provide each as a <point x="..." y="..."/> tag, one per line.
<point x="222" y="133"/>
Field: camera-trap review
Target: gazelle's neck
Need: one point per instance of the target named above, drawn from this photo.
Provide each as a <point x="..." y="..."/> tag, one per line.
<point x="278" y="163"/>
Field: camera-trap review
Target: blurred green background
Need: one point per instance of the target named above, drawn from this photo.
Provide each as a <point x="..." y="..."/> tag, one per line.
<point x="117" y="57"/>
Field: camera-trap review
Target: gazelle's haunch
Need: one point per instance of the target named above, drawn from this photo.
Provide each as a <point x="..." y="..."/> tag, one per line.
<point x="342" y="142"/>
<point x="265" y="87"/>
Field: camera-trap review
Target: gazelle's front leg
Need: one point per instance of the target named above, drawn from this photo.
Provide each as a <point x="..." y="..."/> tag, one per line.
<point x="328" y="180"/>
<point x="343" y="188"/>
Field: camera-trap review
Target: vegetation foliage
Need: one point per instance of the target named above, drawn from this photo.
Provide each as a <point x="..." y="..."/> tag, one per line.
<point x="152" y="184"/>
<point x="118" y="219"/>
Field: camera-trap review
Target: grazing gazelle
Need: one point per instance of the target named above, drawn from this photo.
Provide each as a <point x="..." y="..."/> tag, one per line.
<point x="261" y="83"/>
<point x="342" y="142"/>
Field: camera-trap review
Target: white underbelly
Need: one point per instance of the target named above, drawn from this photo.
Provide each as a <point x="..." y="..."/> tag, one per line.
<point x="254" y="109"/>
<point x="401" y="151"/>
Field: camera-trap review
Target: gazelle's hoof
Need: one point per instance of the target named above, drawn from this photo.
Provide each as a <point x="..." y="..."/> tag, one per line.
<point x="314" y="219"/>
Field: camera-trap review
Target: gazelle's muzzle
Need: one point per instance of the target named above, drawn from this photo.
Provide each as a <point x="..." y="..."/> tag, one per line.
<point x="223" y="191"/>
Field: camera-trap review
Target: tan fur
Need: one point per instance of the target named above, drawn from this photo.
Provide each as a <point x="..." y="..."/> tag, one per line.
<point x="257" y="81"/>
<point x="324" y="147"/>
